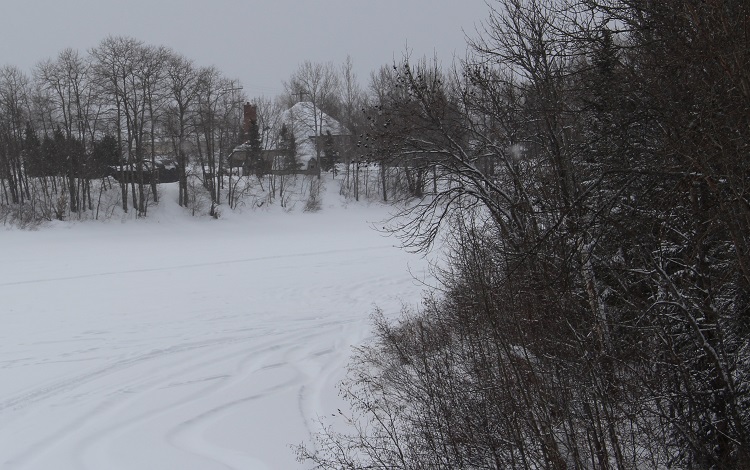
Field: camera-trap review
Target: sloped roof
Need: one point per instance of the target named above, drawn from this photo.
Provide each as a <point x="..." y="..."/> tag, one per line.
<point x="300" y="119"/>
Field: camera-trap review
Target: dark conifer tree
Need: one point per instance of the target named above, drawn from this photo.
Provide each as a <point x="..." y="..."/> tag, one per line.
<point x="288" y="148"/>
<point x="32" y="152"/>
<point x="255" y="147"/>
<point x="329" y="152"/>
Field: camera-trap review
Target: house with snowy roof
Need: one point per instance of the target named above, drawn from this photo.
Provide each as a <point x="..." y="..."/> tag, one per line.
<point x="318" y="137"/>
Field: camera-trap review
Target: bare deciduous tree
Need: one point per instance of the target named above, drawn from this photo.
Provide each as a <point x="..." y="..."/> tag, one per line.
<point x="591" y="179"/>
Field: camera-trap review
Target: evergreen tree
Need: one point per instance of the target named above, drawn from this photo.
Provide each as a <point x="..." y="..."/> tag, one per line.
<point x="255" y="156"/>
<point x="288" y="148"/>
<point x="32" y="152"/>
<point x="106" y="152"/>
<point x="330" y="154"/>
<point x="51" y="153"/>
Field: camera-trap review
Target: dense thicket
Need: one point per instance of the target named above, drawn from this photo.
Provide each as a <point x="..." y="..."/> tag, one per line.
<point x="589" y="163"/>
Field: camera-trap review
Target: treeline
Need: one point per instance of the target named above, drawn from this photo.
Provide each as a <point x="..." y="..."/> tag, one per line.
<point x="588" y="169"/>
<point x="367" y="159"/>
<point x="116" y="111"/>
<point x="85" y="132"/>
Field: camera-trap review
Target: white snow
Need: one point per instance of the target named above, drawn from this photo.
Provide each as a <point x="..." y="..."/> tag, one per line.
<point x="186" y="343"/>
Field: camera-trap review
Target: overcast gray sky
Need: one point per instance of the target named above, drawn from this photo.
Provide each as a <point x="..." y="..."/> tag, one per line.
<point x="260" y="42"/>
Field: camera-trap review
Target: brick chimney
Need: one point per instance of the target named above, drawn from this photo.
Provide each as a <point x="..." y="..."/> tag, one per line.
<point x="250" y="113"/>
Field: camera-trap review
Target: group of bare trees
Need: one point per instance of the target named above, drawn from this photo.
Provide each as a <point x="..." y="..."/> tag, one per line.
<point x="372" y="165"/>
<point x="589" y="173"/>
<point x="585" y="169"/>
<point x="119" y="111"/>
<point x="82" y="125"/>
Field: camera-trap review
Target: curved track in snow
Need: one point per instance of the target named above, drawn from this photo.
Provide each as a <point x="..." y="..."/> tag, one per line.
<point x="185" y="345"/>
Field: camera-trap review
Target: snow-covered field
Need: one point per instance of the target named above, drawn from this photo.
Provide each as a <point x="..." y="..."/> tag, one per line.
<point x="184" y="343"/>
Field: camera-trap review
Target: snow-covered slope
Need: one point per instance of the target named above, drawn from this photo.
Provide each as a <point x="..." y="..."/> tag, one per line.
<point x="180" y="343"/>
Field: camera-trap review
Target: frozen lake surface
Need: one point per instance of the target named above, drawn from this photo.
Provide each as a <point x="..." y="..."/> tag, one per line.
<point x="182" y="343"/>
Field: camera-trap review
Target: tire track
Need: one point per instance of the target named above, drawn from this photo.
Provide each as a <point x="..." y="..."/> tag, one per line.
<point x="194" y="265"/>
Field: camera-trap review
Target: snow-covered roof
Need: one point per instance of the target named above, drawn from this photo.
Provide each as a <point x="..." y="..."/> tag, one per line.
<point x="300" y="119"/>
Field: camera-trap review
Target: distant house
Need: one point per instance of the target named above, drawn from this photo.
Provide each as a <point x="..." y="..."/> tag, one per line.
<point x="334" y="148"/>
<point x="239" y="157"/>
<point x="164" y="171"/>
<point x="315" y="133"/>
